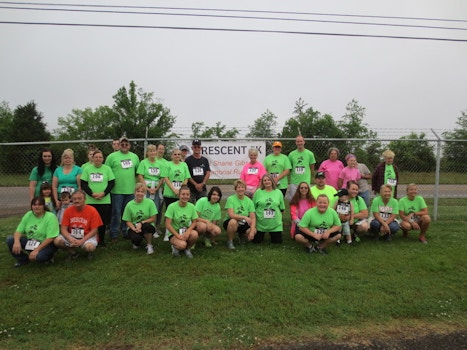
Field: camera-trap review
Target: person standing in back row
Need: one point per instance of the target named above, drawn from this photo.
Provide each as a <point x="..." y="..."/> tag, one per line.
<point x="124" y="165"/>
<point x="278" y="166"/>
<point x="303" y="165"/>
<point x="200" y="172"/>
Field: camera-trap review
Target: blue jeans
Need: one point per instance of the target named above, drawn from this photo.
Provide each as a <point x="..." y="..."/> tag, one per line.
<point x="375" y="226"/>
<point x="366" y="198"/>
<point x="119" y="202"/>
<point x="43" y="256"/>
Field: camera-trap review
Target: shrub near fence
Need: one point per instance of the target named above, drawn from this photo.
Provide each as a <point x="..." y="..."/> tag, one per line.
<point x="441" y="182"/>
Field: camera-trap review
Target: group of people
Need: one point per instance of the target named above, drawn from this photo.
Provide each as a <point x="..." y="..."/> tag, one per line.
<point x="74" y="207"/>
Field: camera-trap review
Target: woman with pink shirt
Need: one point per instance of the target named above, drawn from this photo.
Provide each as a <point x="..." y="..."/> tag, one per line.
<point x="332" y="167"/>
<point x="299" y="204"/>
<point x="252" y="172"/>
<point x="350" y="172"/>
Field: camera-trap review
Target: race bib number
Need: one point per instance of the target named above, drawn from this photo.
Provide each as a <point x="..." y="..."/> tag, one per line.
<point x="96" y="177"/>
<point x="126" y="163"/>
<point x="252" y="171"/>
<point x="198" y="171"/>
<point x="300" y="170"/>
<point x="275" y="175"/>
<point x="320" y="230"/>
<point x="32" y="244"/>
<point x="392" y="182"/>
<point x="68" y="189"/>
<point x="385" y="216"/>
<point x="269" y="213"/>
<point x="77" y="232"/>
<point x="343" y="209"/>
<point x="177" y="184"/>
<point x="182" y="231"/>
<point x="154" y="171"/>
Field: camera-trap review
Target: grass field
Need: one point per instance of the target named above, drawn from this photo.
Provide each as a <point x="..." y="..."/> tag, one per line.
<point x="255" y="297"/>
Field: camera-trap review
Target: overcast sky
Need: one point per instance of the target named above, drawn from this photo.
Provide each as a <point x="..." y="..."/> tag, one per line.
<point x="233" y="77"/>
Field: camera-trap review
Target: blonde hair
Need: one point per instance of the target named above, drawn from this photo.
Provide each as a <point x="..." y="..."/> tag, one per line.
<point x="388" y="154"/>
<point x="270" y="178"/>
<point x="253" y="151"/>
<point x="68" y="152"/>
<point x="150" y="148"/>
<point x="140" y="185"/>
<point x="383" y="187"/>
<point x="239" y="182"/>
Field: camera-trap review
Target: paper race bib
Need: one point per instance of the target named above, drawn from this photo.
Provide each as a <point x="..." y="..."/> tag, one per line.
<point x="68" y="189"/>
<point x="252" y="171"/>
<point x="392" y="182"/>
<point x="96" y="177"/>
<point x="77" y="232"/>
<point x="320" y="230"/>
<point x="198" y="171"/>
<point x="343" y="209"/>
<point x="300" y="170"/>
<point x="32" y="244"/>
<point x="154" y="171"/>
<point x="126" y="163"/>
<point x="269" y="213"/>
<point x="177" y="184"/>
<point x="182" y="231"/>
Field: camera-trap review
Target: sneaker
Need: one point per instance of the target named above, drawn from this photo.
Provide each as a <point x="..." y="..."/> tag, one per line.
<point x="338" y="243"/>
<point x="350" y="244"/>
<point x="310" y="250"/>
<point x="357" y="239"/>
<point x="175" y="251"/>
<point x="422" y="240"/>
<point x="230" y="245"/>
<point x="135" y="246"/>
<point x="321" y="251"/>
<point x="90" y="256"/>
<point x="150" y="249"/>
<point x="21" y="263"/>
<point x="188" y="254"/>
<point x="207" y="243"/>
<point x="166" y="237"/>
<point x="156" y="235"/>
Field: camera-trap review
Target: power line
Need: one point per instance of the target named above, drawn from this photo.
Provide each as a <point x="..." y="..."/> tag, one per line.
<point x="236" y="10"/>
<point x="233" y="30"/>
<point x="230" y="17"/>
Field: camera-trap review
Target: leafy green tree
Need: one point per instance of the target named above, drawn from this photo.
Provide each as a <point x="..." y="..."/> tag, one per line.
<point x="134" y="113"/>
<point x="6" y="121"/>
<point x="414" y="156"/>
<point x="352" y="126"/>
<point x="201" y="131"/>
<point x="311" y="124"/>
<point x="455" y="153"/>
<point x="264" y="126"/>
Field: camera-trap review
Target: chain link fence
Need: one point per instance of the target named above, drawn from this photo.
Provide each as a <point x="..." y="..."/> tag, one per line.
<point x="438" y="166"/>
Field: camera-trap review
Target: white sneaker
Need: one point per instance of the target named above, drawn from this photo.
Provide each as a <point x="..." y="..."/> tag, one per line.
<point x="150" y="249"/>
<point x="166" y="237"/>
<point x="156" y="235"/>
<point x="175" y="251"/>
<point x="135" y="247"/>
<point x="230" y="245"/>
<point x="188" y="254"/>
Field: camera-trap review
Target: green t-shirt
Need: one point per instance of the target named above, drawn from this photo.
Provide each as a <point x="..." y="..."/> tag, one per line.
<point x="241" y="207"/>
<point x="390" y="177"/>
<point x="152" y="172"/>
<point x="124" y="167"/>
<point x="358" y="205"/>
<point x="85" y="165"/>
<point x="300" y="162"/>
<point x="329" y="191"/>
<point x="385" y="210"/>
<point x="136" y="212"/>
<point x="269" y="207"/>
<point x="97" y="179"/>
<point x="46" y="177"/>
<point x="411" y="206"/>
<point x="176" y="173"/>
<point x="39" y="228"/>
<point x="275" y="165"/>
<point x="182" y="217"/>
<point x="317" y="222"/>
<point x="207" y="210"/>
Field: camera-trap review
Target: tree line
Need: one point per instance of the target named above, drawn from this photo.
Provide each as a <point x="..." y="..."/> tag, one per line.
<point x="139" y="114"/>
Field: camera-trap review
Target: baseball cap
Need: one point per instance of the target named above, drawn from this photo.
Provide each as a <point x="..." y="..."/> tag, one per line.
<point x="342" y="192"/>
<point x="196" y="142"/>
<point x="320" y="174"/>
<point x="184" y="148"/>
<point x="277" y="144"/>
<point x="124" y="138"/>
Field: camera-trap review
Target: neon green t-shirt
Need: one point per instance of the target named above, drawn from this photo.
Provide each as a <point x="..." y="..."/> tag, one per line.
<point x="329" y="191"/>
<point x="152" y="172"/>
<point x="97" y="179"/>
<point x="275" y="165"/>
<point x="124" y="167"/>
<point x="317" y="222"/>
<point x="411" y="206"/>
<point x="241" y="207"/>
<point x="390" y="177"/>
<point x="182" y="217"/>
<point x="385" y="210"/>
<point x="136" y="212"/>
<point x="207" y="210"/>
<point x="358" y="205"/>
<point x="269" y="207"/>
<point x="39" y="228"/>
<point x="176" y="173"/>
<point x="300" y="162"/>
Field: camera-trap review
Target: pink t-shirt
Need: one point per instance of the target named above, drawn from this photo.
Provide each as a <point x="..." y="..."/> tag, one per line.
<point x="252" y="174"/>
<point x="332" y="170"/>
<point x="348" y="174"/>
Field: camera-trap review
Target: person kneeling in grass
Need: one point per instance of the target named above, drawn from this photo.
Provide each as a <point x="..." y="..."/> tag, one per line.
<point x="414" y="213"/>
<point x="180" y="220"/>
<point x="319" y="227"/>
<point x="209" y="213"/>
<point x="140" y="215"/>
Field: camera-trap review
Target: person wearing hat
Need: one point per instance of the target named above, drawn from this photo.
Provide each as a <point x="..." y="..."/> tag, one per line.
<point x="344" y="209"/>
<point x="303" y="162"/>
<point x="200" y="172"/>
<point x="321" y="187"/>
<point x="184" y="149"/>
<point x="278" y="165"/>
<point x="124" y="165"/>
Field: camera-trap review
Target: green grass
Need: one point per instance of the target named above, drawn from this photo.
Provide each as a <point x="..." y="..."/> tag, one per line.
<point x="256" y="296"/>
